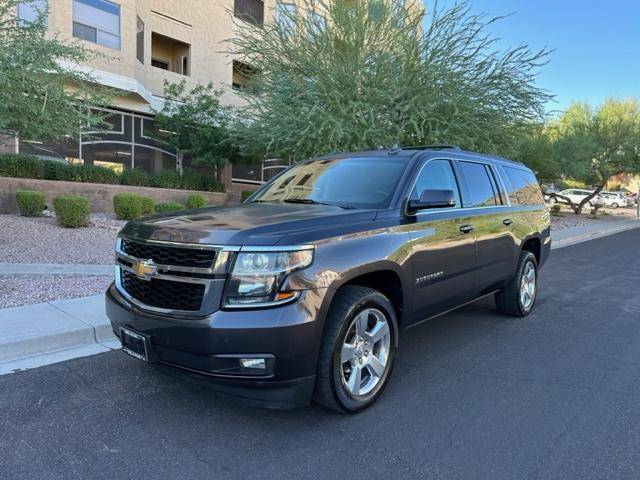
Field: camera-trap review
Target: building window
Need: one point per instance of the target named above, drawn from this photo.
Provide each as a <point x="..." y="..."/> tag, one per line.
<point x="242" y="74"/>
<point x="317" y="23"/>
<point x="249" y="10"/>
<point x="28" y="12"/>
<point x="159" y="64"/>
<point x="285" y="14"/>
<point x="140" y="40"/>
<point x="376" y="10"/>
<point x="170" y="54"/>
<point x="97" y="21"/>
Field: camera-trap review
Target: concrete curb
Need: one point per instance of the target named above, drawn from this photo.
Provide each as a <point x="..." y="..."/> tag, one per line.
<point x="556" y="244"/>
<point x="55" y="269"/>
<point x="45" y="333"/>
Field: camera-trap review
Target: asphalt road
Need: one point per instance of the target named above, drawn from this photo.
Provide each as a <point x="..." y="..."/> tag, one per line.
<point x="474" y="396"/>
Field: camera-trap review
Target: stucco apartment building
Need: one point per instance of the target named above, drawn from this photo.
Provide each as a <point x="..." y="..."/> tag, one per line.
<point x="143" y="43"/>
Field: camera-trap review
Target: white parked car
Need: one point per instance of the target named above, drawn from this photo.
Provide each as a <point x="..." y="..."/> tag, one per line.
<point x="614" y="199"/>
<point x="576" y="196"/>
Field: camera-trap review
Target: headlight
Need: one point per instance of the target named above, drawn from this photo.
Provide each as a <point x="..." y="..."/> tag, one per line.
<point x="256" y="277"/>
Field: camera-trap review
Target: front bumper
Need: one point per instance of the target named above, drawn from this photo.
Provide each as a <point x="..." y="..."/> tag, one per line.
<point x="206" y="350"/>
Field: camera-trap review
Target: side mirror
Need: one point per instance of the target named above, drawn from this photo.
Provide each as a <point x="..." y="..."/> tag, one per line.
<point x="433" y="199"/>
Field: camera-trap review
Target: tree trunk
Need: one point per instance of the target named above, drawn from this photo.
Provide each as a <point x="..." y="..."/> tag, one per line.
<point x="179" y="157"/>
<point x="588" y="198"/>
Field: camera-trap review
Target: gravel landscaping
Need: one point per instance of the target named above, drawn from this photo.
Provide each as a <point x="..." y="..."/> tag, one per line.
<point x="25" y="290"/>
<point x="41" y="240"/>
<point x="568" y="219"/>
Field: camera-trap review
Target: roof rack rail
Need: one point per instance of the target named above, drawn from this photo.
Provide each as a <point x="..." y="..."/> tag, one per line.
<point x="438" y="146"/>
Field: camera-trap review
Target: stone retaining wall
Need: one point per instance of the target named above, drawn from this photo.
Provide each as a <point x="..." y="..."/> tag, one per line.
<point x="99" y="194"/>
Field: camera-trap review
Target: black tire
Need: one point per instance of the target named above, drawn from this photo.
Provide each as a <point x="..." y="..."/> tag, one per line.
<point x="348" y="302"/>
<point x="508" y="300"/>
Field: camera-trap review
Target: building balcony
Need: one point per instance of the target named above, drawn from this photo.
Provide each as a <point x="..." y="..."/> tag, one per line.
<point x="170" y="54"/>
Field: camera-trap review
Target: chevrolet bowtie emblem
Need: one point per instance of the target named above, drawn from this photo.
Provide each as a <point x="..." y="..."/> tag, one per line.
<point x="144" y="269"/>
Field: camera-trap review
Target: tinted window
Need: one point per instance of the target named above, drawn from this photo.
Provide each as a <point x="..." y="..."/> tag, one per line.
<point x="479" y="191"/>
<point x="524" y="187"/>
<point x="357" y="182"/>
<point x="436" y="175"/>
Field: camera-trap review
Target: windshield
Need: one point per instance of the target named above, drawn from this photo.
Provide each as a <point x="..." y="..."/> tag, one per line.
<point x="346" y="182"/>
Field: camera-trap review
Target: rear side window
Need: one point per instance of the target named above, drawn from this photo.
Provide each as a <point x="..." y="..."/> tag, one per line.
<point x="479" y="190"/>
<point x="524" y="189"/>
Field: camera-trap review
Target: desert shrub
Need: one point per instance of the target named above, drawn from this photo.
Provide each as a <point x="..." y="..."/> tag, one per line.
<point x="135" y="177"/>
<point x="30" y="203"/>
<point x="164" y="207"/>
<point x="568" y="183"/>
<point x="555" y="209"/>
<point x="21" y="166"/>
<point x="245" y="194"/>
<point x="129" y="206"/>
<point x="72" y="211"/>
<point x="195" y="201"/>
<point x="614" y="186"/>
<point x="148" y="206"/>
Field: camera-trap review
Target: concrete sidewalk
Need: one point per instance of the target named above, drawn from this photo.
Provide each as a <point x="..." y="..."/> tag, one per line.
<point x="41" y="334"/>
<point x="602" y="228"/>
<point x="45" y="333"/>
<point x="55" y="269"/>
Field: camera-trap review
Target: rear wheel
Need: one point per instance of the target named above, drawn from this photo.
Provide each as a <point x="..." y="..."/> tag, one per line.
<point x="518" y="298"/>
<point x="358" y="350"/>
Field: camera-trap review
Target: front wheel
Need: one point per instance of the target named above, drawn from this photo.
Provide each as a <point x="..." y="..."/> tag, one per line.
<point x="519" y="296"/>
<point x="358" y="350"/>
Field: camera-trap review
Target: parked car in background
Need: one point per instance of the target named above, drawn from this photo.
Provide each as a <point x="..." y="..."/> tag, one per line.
<point x="576" y="196"/>
<point x="614" y="199"/>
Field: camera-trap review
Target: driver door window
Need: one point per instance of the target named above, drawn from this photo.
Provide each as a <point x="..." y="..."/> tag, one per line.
<point x="436" y="175"/>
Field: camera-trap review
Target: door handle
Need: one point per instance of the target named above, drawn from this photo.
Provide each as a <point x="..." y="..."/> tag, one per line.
<point x="507" y="221"/>
<point x="466" y="228"/>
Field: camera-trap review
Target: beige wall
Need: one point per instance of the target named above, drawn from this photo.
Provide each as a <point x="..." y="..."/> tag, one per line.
<point x="203" y="24"/>
<point x="100" y="195"/>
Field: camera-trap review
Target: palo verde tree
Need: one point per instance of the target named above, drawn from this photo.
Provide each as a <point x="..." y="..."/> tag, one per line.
<point x="347" y="75"/>
<point x="42" y="95"/>
<point x="197" y="125"/>
<point x="594" y="144"/>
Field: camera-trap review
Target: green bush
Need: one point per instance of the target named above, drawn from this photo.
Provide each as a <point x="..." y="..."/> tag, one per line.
<point x="30" y="203"/>
<point x="72" y="211"/>
<point x="166" y="179"/>
<point x="555" y="209"/>
<point x="129" y="206"/>
<point x="57" y="171"/>
<point x="164" y="207"/>
<point x="245" y="194"/>
<point x="194" y="180"/>
<point x="94" y="174"/>
<point x="135" y="177"/>
<point x="21" y="166"/>
<point x="195" y="201"/>
<point x="148" y="206"/>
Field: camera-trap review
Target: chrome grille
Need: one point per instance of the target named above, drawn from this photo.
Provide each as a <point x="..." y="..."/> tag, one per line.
<point x="169" y="255"/>
<point x="164" y="294"/>
<point x="171" y="278"/>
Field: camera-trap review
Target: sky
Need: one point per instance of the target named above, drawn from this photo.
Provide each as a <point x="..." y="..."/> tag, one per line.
<point x="596" y="44"/>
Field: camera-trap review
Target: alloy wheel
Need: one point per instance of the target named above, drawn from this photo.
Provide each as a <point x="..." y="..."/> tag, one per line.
<point x="528" y="286"/>
<point x="364" y="355"/>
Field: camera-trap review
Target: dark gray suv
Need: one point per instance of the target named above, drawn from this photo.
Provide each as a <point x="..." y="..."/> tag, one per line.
<point x="300" y="293"/>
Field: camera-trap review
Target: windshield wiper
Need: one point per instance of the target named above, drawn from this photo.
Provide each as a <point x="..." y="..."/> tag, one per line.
<point x="310" y="201"/>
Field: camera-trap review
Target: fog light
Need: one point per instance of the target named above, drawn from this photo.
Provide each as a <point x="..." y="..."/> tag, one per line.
<point x="257" y="363"/>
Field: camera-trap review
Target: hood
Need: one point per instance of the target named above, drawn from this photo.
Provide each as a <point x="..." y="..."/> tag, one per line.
<point x="251" y="224"/>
